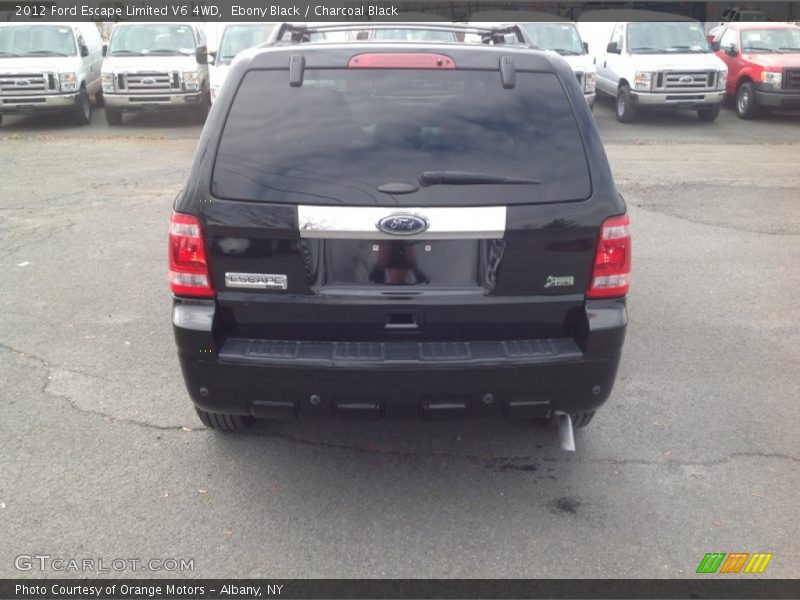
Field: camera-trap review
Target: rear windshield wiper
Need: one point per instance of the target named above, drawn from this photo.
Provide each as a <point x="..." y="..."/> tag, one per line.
<point x="647" y="50"/>
<point x="2" y="53"/>
<point x="790" y="48"/>
<point x="132" y="52"/>
<point x="567" y="52"/>
<point x="469" y="178"/>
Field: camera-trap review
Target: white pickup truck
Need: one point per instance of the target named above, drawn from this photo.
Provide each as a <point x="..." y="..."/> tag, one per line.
<point x="50" y="67"/>
<point x="659" y="64"/>
<point x="156" y="66"/>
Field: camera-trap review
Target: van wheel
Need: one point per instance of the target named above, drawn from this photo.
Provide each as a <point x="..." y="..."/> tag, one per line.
<point x="746" y="106"/>
<point x="626" y="109"/>
<point x="224" y="422"/>
<point x="83" y="108"/>
<point x="114" y="117"/>
<point x="1" y="119"/>
<point x="708" y="114"/>
<point x="201" y="110"/>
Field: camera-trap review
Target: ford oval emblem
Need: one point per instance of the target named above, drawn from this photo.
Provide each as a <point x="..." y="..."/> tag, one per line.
<point x="148" y="81"/>
<point x="403" y="224"/>
<point x="686" y="79"/>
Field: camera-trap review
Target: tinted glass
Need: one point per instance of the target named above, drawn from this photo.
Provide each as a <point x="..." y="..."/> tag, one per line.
<point x="347" y="131"/>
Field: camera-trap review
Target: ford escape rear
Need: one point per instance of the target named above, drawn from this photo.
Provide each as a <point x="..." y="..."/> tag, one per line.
<point x="399" y="229"/>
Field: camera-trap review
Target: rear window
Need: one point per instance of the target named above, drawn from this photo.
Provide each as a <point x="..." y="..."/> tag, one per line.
<point x="345" y="132"/>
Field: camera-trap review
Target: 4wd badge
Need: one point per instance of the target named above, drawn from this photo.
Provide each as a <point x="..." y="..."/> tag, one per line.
<point x="560" y="281"/>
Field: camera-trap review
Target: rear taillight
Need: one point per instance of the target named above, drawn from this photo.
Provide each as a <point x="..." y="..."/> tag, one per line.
<point x="612" y="262"/>
<point x="188" y="263"/>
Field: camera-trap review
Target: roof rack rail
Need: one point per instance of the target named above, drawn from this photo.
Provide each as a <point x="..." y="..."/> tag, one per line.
<point x="300" y="33"/>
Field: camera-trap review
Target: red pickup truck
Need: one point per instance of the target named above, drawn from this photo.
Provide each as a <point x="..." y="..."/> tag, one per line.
<point x="763" y="65"/>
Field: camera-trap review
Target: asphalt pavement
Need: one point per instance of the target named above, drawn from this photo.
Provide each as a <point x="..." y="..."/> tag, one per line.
<point x="695" y="452"/>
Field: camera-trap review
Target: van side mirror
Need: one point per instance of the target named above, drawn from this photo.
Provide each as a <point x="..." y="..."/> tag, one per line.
<point x="586" y="47"/>
<point x="212" y="58"/>
<point x="732" y="51"/>
<point x="613" y="48"/>
<point x="84" y="51"/>
<point x="105" y="49"/>
<point x="201" y="55"/>
<point x="715" y="46"/>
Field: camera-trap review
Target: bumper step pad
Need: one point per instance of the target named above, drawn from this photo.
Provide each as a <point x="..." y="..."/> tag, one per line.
<point x="366" y="354"/>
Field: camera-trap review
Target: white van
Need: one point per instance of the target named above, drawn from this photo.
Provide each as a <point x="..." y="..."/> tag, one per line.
<point x="156" y="66"/>
<point x="235" y="38"/>
<point x="550" y="32"/>
<point x="647" y="59"/>
<point x="50" y="67"/>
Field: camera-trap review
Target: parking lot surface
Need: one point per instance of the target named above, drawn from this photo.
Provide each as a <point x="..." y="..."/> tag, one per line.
<point x="695" y="452"/>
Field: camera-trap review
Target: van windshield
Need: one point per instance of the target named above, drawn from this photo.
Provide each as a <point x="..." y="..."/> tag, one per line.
<point x="422" y="35"/>
<point x="37" y="40"/>
<point x="240" y="37"/>
<point x="152" y="39"/>
<point x="345" y="132"/>
<point x="667" y="38"/>
<point x="561" y="37"/>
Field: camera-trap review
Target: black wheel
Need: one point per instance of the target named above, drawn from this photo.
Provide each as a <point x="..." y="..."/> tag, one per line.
<point x="746" y="106"/>
<point x="114" y="117"/>
<point x="708" y="114"/>
<point x="223" y="422"/>
<point x="99" y="100"/>
<point x="1" y="119"/>
<point x="582" y="419"/>
<point x="83" y="108"/>
<point x="626" y="109"/>
<point x="201" y="110"/>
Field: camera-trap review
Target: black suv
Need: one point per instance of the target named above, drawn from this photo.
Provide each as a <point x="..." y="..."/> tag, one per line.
<point x="399" y="229"/>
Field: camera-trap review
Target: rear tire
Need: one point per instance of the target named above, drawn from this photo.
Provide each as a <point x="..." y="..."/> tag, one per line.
<point x="708" y="114"/>
<point x="224" y="422"/>
<point x="746" y="106"/>
<point x="626" y="109"/>
<point x="113" y="117"/>
<point x="83" y="109"/>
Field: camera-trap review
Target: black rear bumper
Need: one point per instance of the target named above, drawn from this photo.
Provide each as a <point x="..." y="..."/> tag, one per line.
<point x="511" y="378"/>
